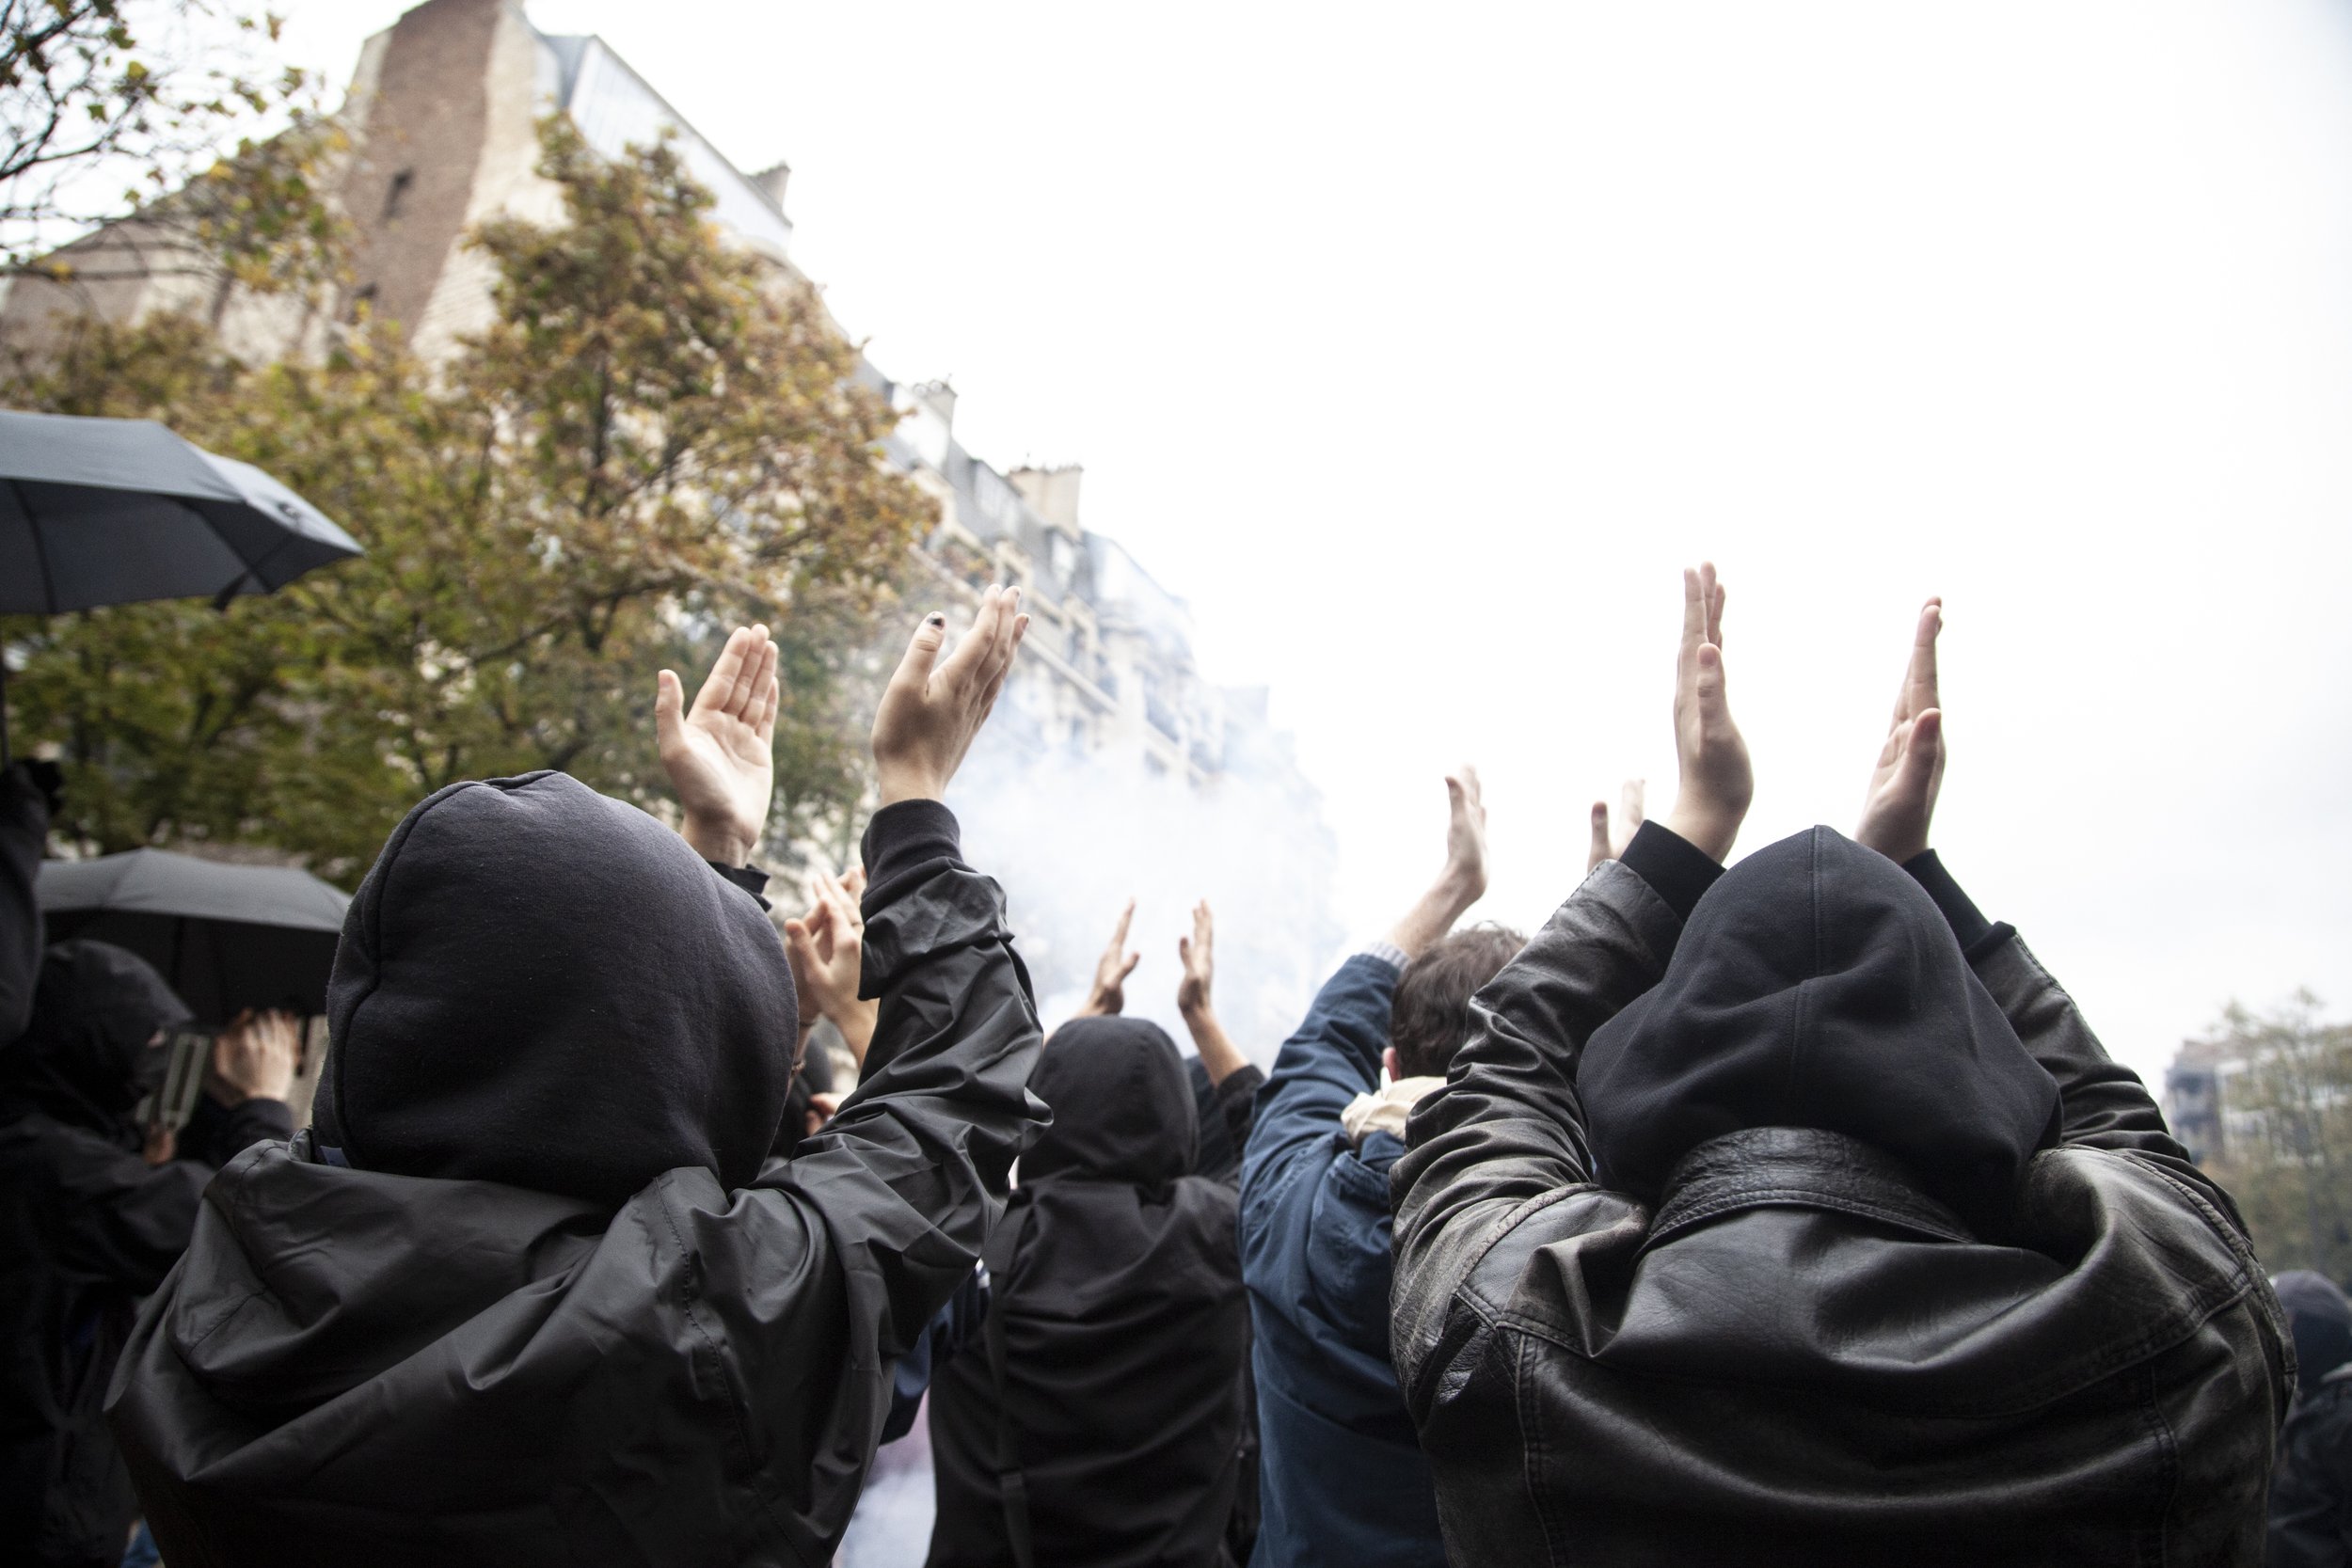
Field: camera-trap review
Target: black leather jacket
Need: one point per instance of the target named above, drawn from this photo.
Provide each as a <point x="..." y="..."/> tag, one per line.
<point x="1799" y="1357"/>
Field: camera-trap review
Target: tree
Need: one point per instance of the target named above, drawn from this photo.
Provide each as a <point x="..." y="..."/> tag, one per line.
<point x="654" y="440"/>
<point x="2286" y="1146"/>
<point x="106" y="106"/>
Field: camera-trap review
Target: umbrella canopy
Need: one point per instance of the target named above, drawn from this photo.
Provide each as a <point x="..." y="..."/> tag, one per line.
<point x="226" y="937"/>
<point x="101" y="511"/>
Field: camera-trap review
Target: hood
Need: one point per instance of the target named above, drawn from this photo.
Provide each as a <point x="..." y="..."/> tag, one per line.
<point x="2322" y="1321"/>
<point x="90" y="1053"/>
<point x="1122" y="1108"/>
<point x="542" y="986"/>
<point x="1817" y="986"/>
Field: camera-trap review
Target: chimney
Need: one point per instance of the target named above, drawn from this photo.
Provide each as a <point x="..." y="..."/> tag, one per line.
<point x="770" y="182"/>
<point x="939" y="397"/>
<point x="1052" y="493"/>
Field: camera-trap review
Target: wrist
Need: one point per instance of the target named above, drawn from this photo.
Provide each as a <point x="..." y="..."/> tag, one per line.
<point x="720" y="842"/>
<point x="898" y="781"/>
<point x="1708" y="828"/>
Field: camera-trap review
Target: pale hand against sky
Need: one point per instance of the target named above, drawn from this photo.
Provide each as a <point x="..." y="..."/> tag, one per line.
<point x="1420" y="349"/>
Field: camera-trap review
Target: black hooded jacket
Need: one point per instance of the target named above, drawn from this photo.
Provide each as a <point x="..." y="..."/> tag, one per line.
<point x="87" y="1228"/>
<point x="2310" y="1491"/>
<point x="530" y="1293"/>
<point x="1840" y="1309"/>
<point x="1118" y="1279"/>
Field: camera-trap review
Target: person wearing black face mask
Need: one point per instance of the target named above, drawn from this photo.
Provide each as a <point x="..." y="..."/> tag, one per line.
<point x="92" y="1213"/>
<point x="1792" y="1213"/>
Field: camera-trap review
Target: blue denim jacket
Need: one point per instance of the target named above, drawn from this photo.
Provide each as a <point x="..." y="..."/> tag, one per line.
<point x="1341" y="1474"/>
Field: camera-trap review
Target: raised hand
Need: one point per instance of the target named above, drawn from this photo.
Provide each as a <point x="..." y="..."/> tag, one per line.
<point x="933" y="706"/>
<point x="1197" y="952"/>
<point x="1219" y="1057"/>
<point x="1609" y="841"/>
<point x="254" y="1058"/>
<point x="1466" y="834"/>
<point x="1716" y="784"/>
<point x="827" y="948"/>
<point x="720" y="756"/>
<point x="1108" y="994"/>
<point x="1463" y="881"/>
<point x="1900" y="802"/>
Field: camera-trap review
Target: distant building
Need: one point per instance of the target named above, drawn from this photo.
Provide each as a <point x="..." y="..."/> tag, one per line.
<point x="2196" y="1094"/>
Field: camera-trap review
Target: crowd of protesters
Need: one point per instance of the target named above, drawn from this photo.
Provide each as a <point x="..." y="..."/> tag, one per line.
<point x="1787" y="1212"/>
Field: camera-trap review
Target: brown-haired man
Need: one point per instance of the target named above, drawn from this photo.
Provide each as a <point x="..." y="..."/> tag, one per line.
<point x="1343" y="1476"/>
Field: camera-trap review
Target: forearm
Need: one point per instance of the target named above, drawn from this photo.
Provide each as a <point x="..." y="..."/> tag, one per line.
<point x="1433" y="915"/>
<point x="856" y="1018"/>
<point x="1218" y="1054"/>
<point x="1508" y="1126"/>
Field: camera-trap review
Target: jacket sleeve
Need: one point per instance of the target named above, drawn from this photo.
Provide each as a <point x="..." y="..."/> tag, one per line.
<point x="2311" y="1493"/>
<point x="119" y="1219"/>
<point x="23" y="827"/>
<point x="1236" y="1100"/>
<point x="2102" y="1103"/>
<point x="217" y="1134"/>
<point x="1334" y="1056"/>
<point x="910" y="1177"/>
<point x="1508" y="1126"/>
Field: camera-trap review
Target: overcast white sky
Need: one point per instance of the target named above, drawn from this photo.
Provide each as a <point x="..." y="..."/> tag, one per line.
<point x="1417" y="347"/>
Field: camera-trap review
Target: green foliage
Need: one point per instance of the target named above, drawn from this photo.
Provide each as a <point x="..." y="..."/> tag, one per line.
<point x="654" y="441"/>
<point x="106" y="106"/>
<point x="2286" y="1146"/>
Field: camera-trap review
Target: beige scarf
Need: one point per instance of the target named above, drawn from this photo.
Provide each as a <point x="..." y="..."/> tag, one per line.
<point x="1386" y="1112"/>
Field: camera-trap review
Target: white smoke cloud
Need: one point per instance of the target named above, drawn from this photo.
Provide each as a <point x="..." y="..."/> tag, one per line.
<point x="1072" y="835"/>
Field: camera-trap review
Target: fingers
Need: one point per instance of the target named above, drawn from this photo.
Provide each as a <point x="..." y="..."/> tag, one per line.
<point x="1119" y="936"/>
<point x="1694" y="614"/>
<point x="965" y="666"/>
<point x="760" y="704"/>
<point x="915" y="669"/>
<point x="1712" y="590"/>
<point x="669" y="704"/>
<point x="1597" y="851"/>
<point x="853" y="885"/>
<point x="741" y="700"/>
<point x="726" y="671"/>
<point x="1629" y="799"/>
<point x="1203" y="925"/>
<point x="1919" y="683"/>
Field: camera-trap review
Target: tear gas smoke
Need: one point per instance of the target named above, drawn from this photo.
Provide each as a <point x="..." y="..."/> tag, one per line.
<point x="1073" y="834"/>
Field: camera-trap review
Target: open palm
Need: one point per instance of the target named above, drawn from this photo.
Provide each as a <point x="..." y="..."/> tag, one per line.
<point x="720" y="756"/>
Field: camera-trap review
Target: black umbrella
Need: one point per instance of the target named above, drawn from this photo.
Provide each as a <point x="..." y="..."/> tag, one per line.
<point x="102" y="511"/>
<point x="226" y="937"/>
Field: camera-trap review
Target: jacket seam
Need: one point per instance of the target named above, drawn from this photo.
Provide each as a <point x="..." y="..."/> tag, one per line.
<point x="754" y="1470"/>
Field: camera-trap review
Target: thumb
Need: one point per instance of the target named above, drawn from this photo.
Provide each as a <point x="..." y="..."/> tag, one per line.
<point x="669" y="702"/>
<point x="922" y="653"/>
<point x="1133" y="960"/>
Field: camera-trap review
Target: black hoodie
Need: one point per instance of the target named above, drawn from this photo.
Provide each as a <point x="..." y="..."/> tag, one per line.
<point x="1818" y="986"/>
<point x="447" y="1342"/>
<point x="506" y="963"/>
<point x="86" y="1228"/>
<point x="1118" y="1277"/>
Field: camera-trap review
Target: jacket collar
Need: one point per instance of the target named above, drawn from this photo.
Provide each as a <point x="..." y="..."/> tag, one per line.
<point x="1797" y="1168"/>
